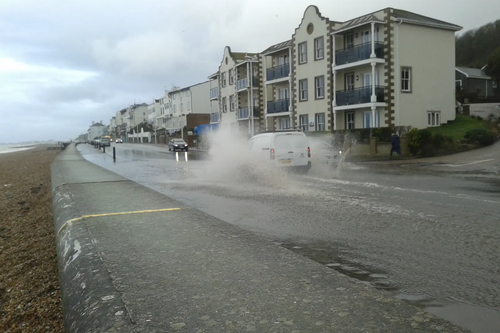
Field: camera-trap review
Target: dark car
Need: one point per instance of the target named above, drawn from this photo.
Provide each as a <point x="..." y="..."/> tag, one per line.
<point x="177" y="144"/>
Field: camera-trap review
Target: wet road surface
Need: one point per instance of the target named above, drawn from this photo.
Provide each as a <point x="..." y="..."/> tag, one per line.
<point x="431" y="240"/>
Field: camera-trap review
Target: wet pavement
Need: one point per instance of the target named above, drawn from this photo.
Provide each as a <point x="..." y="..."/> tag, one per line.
<point x="429" y="239"/>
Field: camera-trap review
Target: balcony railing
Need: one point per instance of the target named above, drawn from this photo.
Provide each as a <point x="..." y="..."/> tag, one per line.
<point x="358" y="53"/>
<point x="280" y="105"/>
<point x="277" y="72"/>
<point x="214" y="117"/>
<point x="359" y="95"/>
<point x="214" y="92"/>
<point x="243" y="112"/>
<point x="243" y="83"/>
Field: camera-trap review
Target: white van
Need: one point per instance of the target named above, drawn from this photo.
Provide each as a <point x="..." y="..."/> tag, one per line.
<point x="282" y="149"/>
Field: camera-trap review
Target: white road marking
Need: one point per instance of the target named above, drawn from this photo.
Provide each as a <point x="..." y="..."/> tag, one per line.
<point x="459" y="165"/>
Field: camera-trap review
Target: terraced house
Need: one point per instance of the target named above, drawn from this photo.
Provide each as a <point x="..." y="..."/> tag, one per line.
<point x="383" y="69"/>
<point x="238" y="91"/>
<point x="393" y="68"/>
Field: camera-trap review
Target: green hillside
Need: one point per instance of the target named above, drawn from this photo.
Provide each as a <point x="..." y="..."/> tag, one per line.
<point x="474" y="47"/>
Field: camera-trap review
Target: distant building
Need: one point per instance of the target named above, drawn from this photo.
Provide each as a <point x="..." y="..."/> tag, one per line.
<point x="96" y="130"/>
<point x="474" y="84"/>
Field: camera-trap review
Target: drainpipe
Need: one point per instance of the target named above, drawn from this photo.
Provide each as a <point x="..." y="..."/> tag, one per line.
<point x="397" y="73"/>
<point x="251" y="96"/>
<point x="372" y="55"/>
<point x="290" y="106"/>
<point x="265" y="91"/>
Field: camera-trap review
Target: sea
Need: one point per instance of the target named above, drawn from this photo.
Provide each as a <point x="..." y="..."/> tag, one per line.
<point x="5" y="149"/>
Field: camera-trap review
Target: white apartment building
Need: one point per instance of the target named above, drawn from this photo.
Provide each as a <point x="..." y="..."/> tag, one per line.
<point x="96" y="130"/>
<point x="393" y="68"/>
<point x="277" y="86"/>
<point x="311" y="66"/>
<point x="239" y="92"/>
<point x="215" y="112"/>
<point x="383" y="69"/>
<point x="180" y="102"/>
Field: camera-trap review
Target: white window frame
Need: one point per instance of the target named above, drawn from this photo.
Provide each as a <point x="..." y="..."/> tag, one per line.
<point x="348" y="122"/>
<point x="304" y="122"/>
<point x="303" y="53"/>
<point x="303" y="92"/>
<point x="406" y="84"/>
<point x="232" y="105"/>
<point x="223" y="79"/>
<point x="319" y="48"/>
<point x="231" y="76"/>
<point x="368" y="114"/>
<point x="224" y="104"/>
<point x="319" y="87"/>
<point x="349" y="84"/>
<point x="320" y="122"/>
<point x="433" y="118"/>
<point x="284" y="123"/>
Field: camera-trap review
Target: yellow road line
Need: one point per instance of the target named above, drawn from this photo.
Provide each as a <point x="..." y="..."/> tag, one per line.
<point x="113" y="214"/>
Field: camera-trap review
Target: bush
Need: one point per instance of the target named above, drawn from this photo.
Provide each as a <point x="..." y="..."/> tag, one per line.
<point x="383" y="134"/>
<point x="481" y="136"/>
<point x="426" y="143"/>
<point x="414" y="141"/>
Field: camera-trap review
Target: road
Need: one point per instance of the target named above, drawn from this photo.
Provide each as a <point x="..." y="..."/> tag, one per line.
<point x="431" y="239"/>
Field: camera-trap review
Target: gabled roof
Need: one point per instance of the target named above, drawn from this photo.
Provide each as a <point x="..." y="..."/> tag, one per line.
<point x="401" y="15"/>
<point x="473" y="73"/>
<point x="278" y="47"/>
<point x="97" y="124"/>
<point x="357" y="22"/>
<point x="412" y="18"/>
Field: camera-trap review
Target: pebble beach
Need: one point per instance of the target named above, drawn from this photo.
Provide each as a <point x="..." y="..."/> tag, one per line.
<point x="30" y="299"/>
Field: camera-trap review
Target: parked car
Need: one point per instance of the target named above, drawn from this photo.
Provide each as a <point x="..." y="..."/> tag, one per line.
<point x="287" y="149"/>
<point x="119" y="141"/>
<point x="326" y="153"/>
<point x="177" y="144"/>
<point x="104" y="142"/>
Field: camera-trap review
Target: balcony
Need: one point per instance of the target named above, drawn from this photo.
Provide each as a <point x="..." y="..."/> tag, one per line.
<point x="243" y="83"/>
<point x="359" y="96"/>
<point x="278" y="72"/>
<point x="214" y="93"/>
<point x="358" y="53"/>
<point x="214" y="117"/>
<point x="280" y="105"/>
<point x="243" y="113"/>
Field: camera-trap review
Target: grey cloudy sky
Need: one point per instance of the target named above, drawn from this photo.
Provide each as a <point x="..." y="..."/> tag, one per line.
<point x="66" y="63"/>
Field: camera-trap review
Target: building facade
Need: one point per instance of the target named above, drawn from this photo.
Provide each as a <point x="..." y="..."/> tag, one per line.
<point x="96" y="130"/>
<point x="276" y="83"/>
<point x="239" y="81"/>
<point x="393" y="68"/>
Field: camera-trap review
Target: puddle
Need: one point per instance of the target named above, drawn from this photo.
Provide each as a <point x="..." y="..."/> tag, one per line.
<point x="475" y="318"/>
<point x="478" y="319"/>
<point x="330" y="257"/>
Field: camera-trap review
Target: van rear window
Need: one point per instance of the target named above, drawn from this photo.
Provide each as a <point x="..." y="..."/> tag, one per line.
<point x="260" y="143"/>
<point x="290" y="141"/>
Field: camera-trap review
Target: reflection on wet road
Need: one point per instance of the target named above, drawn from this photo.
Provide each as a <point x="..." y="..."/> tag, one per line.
<point x="431" y="240"/>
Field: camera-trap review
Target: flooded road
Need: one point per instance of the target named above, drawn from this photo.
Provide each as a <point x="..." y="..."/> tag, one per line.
<point x="431" y="240"/>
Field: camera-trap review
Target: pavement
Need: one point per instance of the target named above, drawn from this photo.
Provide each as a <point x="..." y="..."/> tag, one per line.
<point x="134" y="260"/>
<point x="480" y="162"/>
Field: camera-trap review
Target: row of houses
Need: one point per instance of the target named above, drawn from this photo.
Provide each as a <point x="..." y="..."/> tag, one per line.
<point x="383" y="69"/>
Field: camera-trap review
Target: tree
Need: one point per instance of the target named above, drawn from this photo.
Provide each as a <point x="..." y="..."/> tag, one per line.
<point x="493" y="68"/>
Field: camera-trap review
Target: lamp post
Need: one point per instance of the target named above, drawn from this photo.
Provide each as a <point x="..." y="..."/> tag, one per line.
<point x="251" y="94"/>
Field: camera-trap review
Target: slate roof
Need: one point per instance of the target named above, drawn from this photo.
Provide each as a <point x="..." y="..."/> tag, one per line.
<point x="357" y="22"/>
<point x="473" y="73"/>
<point x="403" y="15"/>
<point x="410" y="17"/>
<point x="278" y="47"/>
